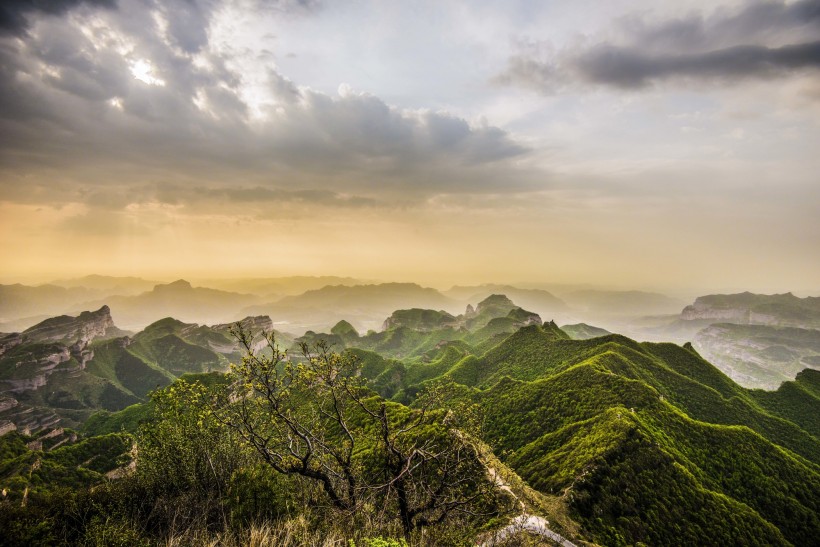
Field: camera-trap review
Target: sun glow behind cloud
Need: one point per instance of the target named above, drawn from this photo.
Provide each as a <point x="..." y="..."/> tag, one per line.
<point x="143" y="71"/>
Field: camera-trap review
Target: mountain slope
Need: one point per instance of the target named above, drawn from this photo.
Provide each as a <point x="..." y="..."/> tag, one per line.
<point x="636" y="442"/>
<point x="109" y="284"/>
<point x="588" y="424"/>
<point x="582" y="331"/>
<point x="633" y="434"/>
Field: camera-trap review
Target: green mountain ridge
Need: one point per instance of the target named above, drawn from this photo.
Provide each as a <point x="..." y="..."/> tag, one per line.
<point x="551" y="428"/>
<point x="634" y="442"/>
<point x="582" y="331"/>
<point x="550" y="400"/>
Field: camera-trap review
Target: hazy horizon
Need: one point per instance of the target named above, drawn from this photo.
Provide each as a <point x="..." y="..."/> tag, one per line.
<point x="632" y="145"/>
<point x="683" y="292"/>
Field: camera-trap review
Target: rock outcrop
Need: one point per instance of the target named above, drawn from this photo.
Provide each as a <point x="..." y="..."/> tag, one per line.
<point x="10" y="341"/>
<point x="495" y="302"/>
<point x="420" y="320"/>
<point x="6" y="427"/>
<point x="81" y="329"/>
<point x="756" y="309"/>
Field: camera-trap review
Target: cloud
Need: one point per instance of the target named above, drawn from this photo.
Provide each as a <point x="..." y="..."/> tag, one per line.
<point x="122" y="98"/>
<point x="631" y="68"/>
<point x="14" y="13"/>
<point x="176" y="194"/>
<point x="360" y="131"/>
<point x="761" y="40"/>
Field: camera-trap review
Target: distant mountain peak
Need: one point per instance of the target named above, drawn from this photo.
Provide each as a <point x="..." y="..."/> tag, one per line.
<point x="178" y="285"/>
<point x="104" y="310"/>
<point x="344" y="329"/>
<point x="494" y="300"/>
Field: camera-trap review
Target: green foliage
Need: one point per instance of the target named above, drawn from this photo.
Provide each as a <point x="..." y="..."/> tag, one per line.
<point x="175" y="355"/>
<point x="12" y="445"/>
<point x="184" y="449"/>
<point x="257" y="493"/>
<point x="315" y="420"/>
<point x="78" y="465"/>
<point x="117" y="363"/>
<point x="644" y="443"/>
<point x="637" y="493"/>
<point x="554" y="431"/>
<point x="582" y="331"/>
<point x="796" y="401"/>
<point x="379" y="542"/>
<point x="127" y="419"/>
<point x="345" y="331"/>
<point x="107" y="532"/>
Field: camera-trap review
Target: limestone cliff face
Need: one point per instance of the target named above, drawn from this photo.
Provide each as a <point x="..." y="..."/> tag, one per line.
<point x="704" y="310"/>
<point x="7" y="403"/>
<point x="6" y="427"/>
<point x="419" y="319"/>
<point x="81" y="329"/>
<point x="9" y="341"/>
<point x="52" y="343"/>
<point x="258" y="325"/>
<point x="747" y="308"/>
<point x="33" y="368"/>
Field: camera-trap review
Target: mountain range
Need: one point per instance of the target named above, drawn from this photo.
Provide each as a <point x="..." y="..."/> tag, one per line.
<point x="625" y="442"/>
<point x="64" y="369"/>
<point x="178" y="299"/>
<point x="750" y="356"/>
<point x="363" y="305"/>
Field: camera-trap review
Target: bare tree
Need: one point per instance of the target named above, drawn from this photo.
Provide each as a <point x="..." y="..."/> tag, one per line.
<point x="317" y="419"/>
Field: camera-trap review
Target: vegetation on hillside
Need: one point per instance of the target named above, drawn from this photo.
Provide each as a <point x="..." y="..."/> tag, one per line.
<point x="405" y="433"/>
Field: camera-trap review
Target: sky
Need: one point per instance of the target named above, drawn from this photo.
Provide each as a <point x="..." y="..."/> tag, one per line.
<point x="671" y="145"/>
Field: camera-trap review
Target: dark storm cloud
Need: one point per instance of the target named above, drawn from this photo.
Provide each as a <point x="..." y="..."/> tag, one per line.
<point x="14" y="13"/>
<point x="188" y="24"/>
<point x="70" y="105"/>
<point x="761" y="40"/>
<point x="631" y="68"/>
<point x="360" y="131"/>
<point x="758" y="22"/>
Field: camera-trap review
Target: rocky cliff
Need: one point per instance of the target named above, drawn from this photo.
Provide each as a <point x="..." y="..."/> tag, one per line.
<point x="756" y="309"/>
<point x="87" y="326"/>
<point x="420" y="320"/>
